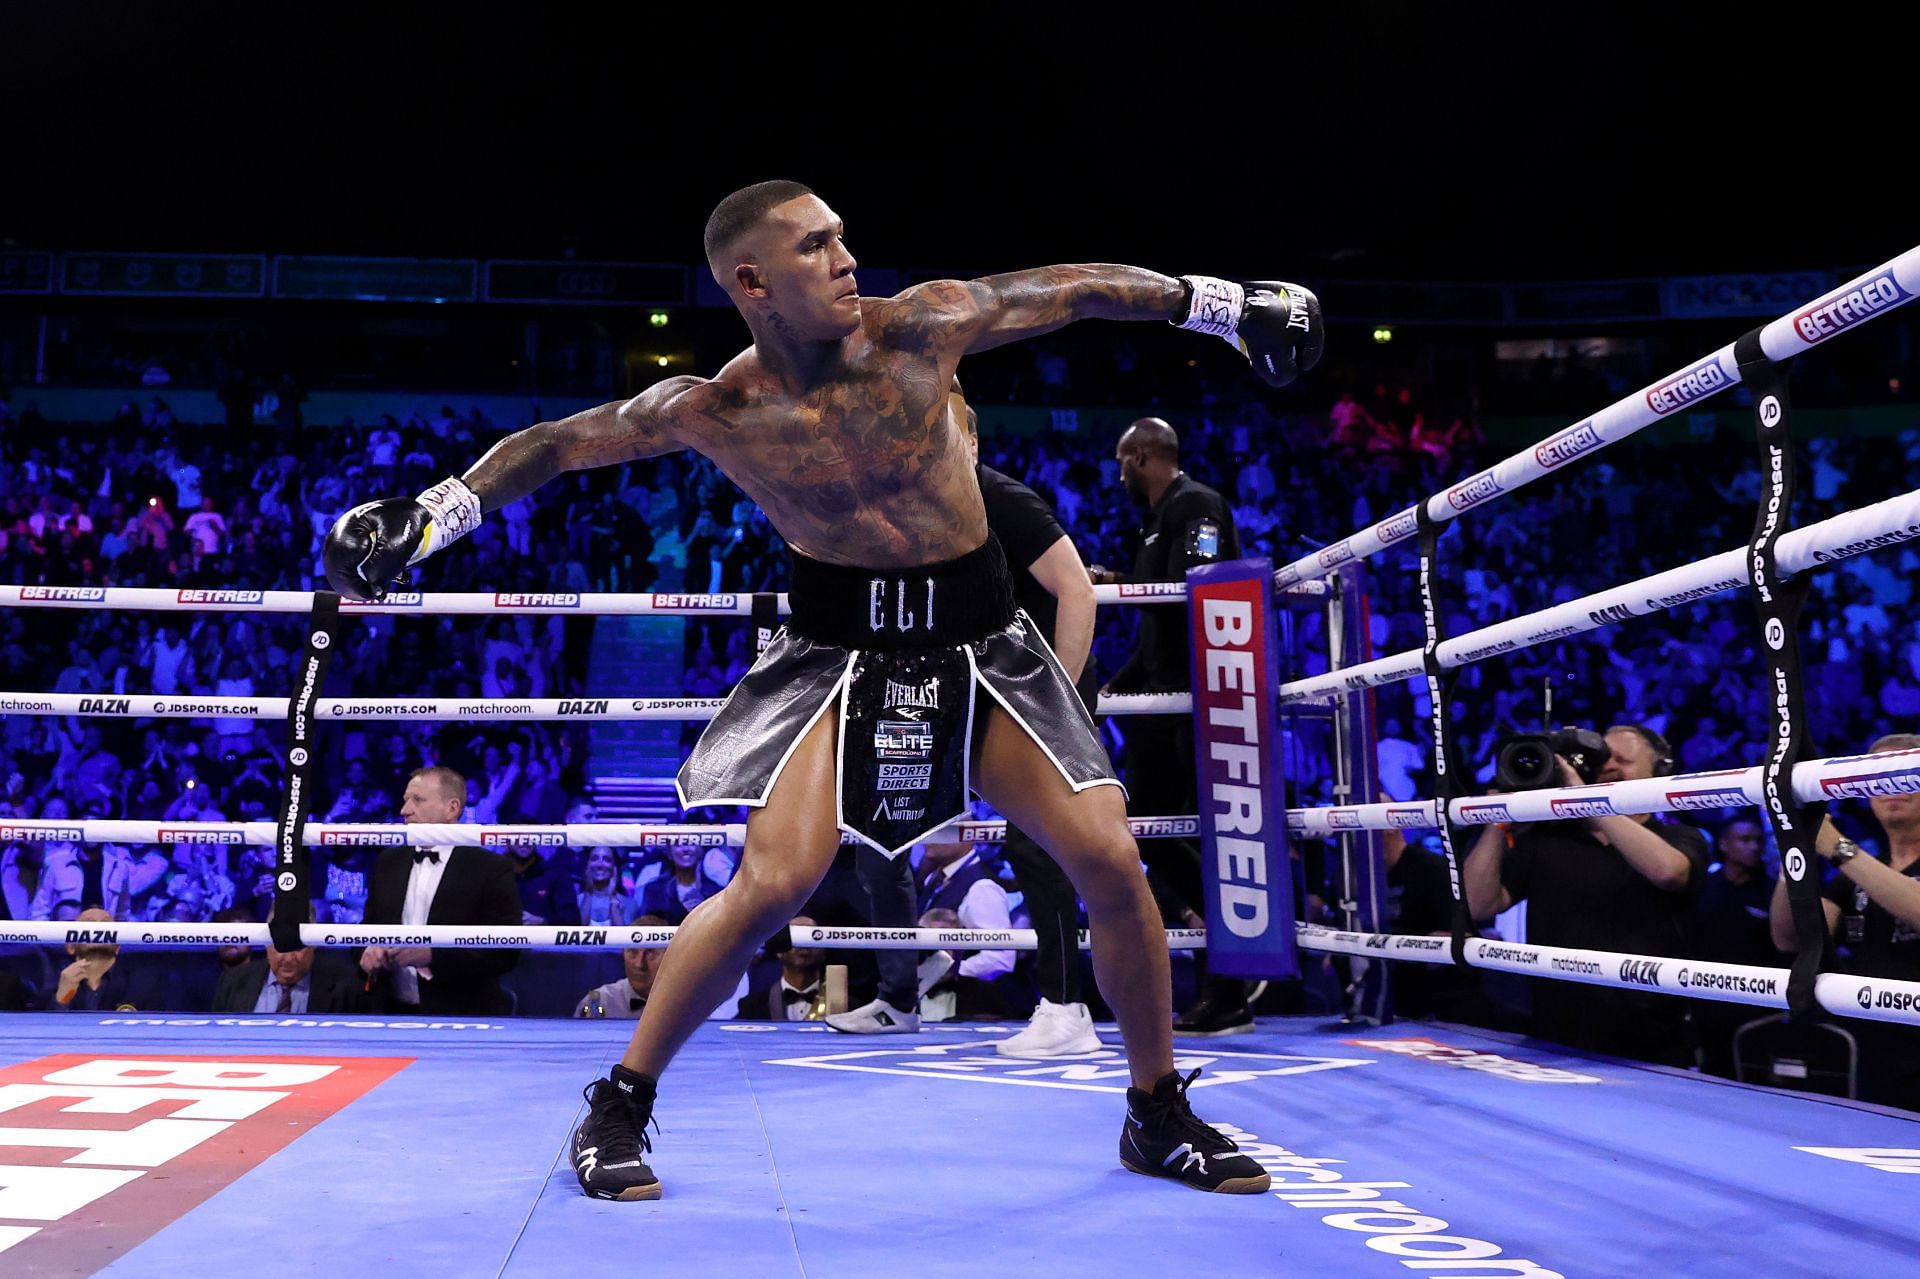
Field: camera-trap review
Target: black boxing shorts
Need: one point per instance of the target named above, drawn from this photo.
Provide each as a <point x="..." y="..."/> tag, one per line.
<point x="900" y="655"/>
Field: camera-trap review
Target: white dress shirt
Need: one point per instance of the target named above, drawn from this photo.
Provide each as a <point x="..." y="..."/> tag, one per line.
<point x="797" y="1010"/>
<point x="984" y="906"/>
<point x="423" y="881"/>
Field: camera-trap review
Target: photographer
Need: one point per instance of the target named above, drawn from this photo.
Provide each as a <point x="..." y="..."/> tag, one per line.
<point x="1614" y="883"/>
<point x="1872" y="908"/>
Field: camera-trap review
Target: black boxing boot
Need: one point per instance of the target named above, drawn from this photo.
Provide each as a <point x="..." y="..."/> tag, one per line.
<point x="1163" y="1138"/>
<point x="609" y="1142"/>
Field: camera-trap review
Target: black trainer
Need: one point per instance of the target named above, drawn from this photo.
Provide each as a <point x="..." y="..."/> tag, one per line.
<point x="1163" y="1138"/>
<point x="1210" y="1018"/>
<point x="608" y="1143"/>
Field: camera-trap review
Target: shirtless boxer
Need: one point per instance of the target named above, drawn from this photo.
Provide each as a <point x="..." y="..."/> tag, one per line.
<point x="863" y="713"/>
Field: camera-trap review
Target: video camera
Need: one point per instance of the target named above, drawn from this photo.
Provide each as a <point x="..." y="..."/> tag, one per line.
<point x="1525" y="760"/>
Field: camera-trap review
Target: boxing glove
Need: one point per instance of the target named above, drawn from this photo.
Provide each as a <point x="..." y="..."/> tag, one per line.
<point x="368" y="548"/>
<point x="1276" y="325"/>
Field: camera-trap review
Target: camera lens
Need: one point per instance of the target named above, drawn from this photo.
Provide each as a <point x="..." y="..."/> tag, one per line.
<point x="1525" y="764"/>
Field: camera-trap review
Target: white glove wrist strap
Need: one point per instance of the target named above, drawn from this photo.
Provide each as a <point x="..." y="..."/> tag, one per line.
<point x="1215" y="306"/>
<point x="455" y="512"/>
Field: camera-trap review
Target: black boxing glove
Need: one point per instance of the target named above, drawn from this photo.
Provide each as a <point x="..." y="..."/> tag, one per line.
<point x="1276" y="325"/>
<point x="368" y="548"/>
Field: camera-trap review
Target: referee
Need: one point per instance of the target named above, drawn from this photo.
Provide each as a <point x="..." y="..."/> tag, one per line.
<point x="1187" y="524"/>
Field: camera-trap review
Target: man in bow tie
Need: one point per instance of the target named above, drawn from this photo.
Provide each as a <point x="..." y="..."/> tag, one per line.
<point x="439" y="885"/>
<point x="797" y="993"/>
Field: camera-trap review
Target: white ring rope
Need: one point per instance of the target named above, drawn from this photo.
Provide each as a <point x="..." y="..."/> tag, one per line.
<point x="1865" y="297"/>
<point x="1850" y="533"/>
<point x="1873" y="998"/>
<point x="532" y="603"/>
<point x="530" y="936"/>
<point x="98" y="830"/>
<point x="523" y="709"/>
<point x="1814" y="781"/>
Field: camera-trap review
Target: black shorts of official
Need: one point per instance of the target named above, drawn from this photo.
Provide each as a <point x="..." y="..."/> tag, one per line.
<point x="900" y="654"/>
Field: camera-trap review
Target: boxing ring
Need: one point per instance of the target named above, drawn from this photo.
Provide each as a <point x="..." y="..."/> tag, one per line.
<point x="1434" y="1149"/>
<point x="795" y="1152"/>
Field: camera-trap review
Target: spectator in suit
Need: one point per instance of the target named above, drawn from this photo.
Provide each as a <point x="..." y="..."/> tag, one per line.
<point x="798" y="994"/>
<point x="673" y="895"/>
<point x="439" y="885"/>
<point x="626" y="997"/>
<point x="286" y="981"/>
<point x="958" y="890"/>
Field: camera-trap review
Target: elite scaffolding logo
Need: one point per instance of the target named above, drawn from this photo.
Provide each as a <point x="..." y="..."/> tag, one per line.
<point x="106" y="1151"/>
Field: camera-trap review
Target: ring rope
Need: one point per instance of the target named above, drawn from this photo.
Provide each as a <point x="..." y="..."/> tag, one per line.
<point x="521" y="709"/>
<point x="1866" y="297"/>
<point x="530" y="603"/>
<point x="1868" y="998"/>
<point x="1850" y="533"/>
<point x="1814" y="780"/>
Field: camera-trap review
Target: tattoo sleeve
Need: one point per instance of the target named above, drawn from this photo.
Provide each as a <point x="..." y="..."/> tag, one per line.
<point x="603" y="436"/>
<point x="1027" y="303"/>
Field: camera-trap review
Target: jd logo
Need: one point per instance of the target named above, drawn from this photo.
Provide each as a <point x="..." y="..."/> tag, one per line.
<point x="1104" y="1071"/>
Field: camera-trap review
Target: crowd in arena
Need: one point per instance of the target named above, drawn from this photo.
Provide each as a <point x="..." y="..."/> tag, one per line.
<point x="148" y="501"/>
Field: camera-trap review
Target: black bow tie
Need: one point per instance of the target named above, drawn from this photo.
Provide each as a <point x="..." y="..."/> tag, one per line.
<point x="635" y="1004"/>
<point x="426" y="855"/>
<point x="788" y="995"/>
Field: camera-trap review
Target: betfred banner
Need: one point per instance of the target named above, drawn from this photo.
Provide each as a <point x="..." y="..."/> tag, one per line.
<point x="1243" y="817"/>
<point x="101" y="1152"/>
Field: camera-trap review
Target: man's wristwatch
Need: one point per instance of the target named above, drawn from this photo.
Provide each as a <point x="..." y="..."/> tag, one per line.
<point x="1844" y="851"/>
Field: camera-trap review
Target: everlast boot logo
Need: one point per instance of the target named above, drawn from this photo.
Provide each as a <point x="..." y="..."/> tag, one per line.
<point x="889" y="609"/>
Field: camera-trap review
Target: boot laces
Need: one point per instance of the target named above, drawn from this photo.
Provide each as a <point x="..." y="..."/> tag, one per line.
<point x="623" y="1117"/>
<point x="1177" y="1118"/>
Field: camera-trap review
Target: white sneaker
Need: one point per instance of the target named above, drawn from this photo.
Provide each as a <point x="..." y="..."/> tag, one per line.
<point x="1057" y="1030"/>
<point x="876" y="1018"/>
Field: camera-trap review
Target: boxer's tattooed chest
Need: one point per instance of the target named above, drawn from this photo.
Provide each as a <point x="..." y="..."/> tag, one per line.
<point x="866" y="471"/>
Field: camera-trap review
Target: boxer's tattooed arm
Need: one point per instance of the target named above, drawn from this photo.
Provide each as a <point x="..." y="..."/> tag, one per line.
<point x="977" y="315"/>
<point x="603" y="436"/>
